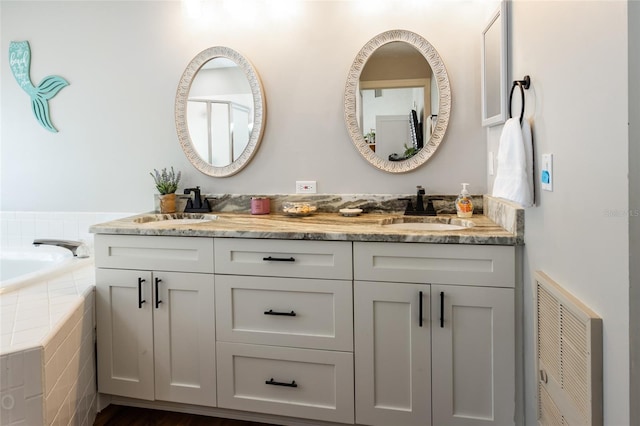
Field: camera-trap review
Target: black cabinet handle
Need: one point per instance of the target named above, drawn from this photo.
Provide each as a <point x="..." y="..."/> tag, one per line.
<point x="272" y="382"/>
<point x="286" y="314"/>
<point x="158" y="301"/>
<point x="140" y="301"/>
<point x="420" y="311"/>
<point x="279" y="259"/>
<point x="442" y="309"/>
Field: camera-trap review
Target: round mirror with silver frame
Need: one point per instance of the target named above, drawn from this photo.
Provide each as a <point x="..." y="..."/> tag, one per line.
<point x="198" y="144"/>
<point x="353" y="102"/>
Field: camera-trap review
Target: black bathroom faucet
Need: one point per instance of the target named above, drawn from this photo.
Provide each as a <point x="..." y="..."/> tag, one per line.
<point x="420" y="209"/>
<point x="196" y="205"/>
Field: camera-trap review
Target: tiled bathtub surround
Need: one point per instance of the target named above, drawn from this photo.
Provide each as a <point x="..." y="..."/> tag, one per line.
<point x="47" y="360"/>
<point x="18" y="229"/>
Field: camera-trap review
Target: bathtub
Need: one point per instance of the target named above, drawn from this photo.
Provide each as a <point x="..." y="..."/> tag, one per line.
<point x="47" y="328"/>
<point x="26" y="265"/>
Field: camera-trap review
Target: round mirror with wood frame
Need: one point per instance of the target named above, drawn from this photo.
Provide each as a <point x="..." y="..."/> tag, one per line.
<point x="253" y="125"/>
<point x="418" y="154"/>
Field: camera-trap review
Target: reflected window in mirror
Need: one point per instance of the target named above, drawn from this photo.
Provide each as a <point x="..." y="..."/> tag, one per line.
<point x="220" y="111"/>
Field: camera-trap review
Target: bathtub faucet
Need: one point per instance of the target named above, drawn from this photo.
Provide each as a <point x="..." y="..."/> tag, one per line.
<point x="68" y="244"/>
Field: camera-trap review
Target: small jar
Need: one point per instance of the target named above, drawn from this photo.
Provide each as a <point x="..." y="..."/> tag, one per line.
<point x="260" y="205"/>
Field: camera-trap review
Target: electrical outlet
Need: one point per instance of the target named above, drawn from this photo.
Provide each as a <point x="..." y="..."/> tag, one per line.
<point x="306" y="187"/>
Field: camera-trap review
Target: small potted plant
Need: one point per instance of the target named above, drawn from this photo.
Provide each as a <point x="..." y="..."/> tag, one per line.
<point x="167" y="184"/>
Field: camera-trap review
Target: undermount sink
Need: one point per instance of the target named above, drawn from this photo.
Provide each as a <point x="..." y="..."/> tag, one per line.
<point x="434" y="223"/>
<point x="174" y="219"/>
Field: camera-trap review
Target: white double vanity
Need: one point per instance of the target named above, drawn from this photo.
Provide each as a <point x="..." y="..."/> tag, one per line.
<point x="310" y="320"/>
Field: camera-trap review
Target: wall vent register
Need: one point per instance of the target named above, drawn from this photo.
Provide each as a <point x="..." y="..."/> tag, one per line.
<point x="569" y="357"/>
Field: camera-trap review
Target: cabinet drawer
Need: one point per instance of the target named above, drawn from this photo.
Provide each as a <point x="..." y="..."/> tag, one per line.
<point x="284" y="258"/>
<point x="435" y="263"/>
<point x="180" y="254"/>
<point x="261" y="379"/>
<point x="297" y="312"/>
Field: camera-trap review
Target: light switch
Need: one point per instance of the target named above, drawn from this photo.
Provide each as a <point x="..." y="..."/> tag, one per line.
<point x="546" y="172"/>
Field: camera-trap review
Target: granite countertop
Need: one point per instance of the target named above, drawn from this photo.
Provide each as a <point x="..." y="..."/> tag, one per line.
<point x="319" y="226"/>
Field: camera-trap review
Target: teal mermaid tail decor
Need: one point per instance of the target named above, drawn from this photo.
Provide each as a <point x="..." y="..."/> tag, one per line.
<point x="20" y="62"/>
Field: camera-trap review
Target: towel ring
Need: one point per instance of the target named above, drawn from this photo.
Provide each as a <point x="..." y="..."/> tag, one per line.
<point x="523" y="85"/>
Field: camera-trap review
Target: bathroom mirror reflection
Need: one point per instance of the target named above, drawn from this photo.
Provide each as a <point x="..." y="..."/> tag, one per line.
<point x="397" y="101"/>
<point x="494" y="68"/>
<point x="220" y="111"/>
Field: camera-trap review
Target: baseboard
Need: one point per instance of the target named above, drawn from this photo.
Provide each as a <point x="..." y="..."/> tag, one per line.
<point x="211" y="411"/>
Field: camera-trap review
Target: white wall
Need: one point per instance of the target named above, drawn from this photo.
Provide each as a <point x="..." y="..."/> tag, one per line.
<point x="578" y="234"/>
<point x="124" y="59"/>
<point x="634" y="206"/>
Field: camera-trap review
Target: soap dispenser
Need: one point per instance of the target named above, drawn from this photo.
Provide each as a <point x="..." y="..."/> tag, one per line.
<point x="464" y="205"/>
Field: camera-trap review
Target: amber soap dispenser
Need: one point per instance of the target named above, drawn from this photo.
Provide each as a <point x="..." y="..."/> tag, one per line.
<point x="464" y="205"/>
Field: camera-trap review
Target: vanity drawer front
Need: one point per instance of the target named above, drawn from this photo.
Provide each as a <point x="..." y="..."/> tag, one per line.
<point x="323" y="388"/>
<point x="305" y="313"/>
<point x="481" y="265"/>
<point x="179" y="254"/>
<point x="284" y="258"/>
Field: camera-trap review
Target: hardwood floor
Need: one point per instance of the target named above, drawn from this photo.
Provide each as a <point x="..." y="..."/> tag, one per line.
<point x="117" y="415"/>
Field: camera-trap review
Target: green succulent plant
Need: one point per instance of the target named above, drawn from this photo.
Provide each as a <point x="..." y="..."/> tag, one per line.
<point x="166" y="181"/>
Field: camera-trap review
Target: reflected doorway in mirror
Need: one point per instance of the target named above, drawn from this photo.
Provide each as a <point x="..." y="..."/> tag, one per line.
<point x="397" y="59"/>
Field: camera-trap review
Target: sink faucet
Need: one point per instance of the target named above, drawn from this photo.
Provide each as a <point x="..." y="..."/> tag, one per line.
<point x="196" y="205"/>
<point x="419" y="201"/>
<point x="68" y="244"/>
<point x="420" y="209"/>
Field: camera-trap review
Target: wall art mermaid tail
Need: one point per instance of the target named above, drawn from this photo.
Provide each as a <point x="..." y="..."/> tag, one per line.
<point x="20" y="62"/>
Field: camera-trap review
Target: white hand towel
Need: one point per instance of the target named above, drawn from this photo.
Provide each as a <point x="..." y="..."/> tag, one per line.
<point x="528" y="152"/>
<point x="429" y="127"/>
<point x="512" y="178"/>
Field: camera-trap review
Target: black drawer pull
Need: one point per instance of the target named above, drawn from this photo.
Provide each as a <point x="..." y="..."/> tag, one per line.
<point x="140" y="300"/>
<point x="272" y="382"/>
<point x="158" y="301"/>
<point x="279" y="259"/>
<point x="284" y="314"/>
<point x="442" y="309"/>
<point x="420" y="309"/>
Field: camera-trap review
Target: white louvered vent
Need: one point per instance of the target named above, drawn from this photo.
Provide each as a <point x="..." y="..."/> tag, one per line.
<point x="569" y="349"/>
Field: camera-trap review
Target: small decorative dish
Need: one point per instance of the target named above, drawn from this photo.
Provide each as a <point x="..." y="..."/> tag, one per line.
<point x="298" y="209"/>
<point x="350" y="212"/>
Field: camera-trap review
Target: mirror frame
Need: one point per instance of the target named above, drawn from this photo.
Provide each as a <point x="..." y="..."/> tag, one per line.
<point x="259" y="114"/>
<point x="444" y="102"/>
<point x="499" y="21"/>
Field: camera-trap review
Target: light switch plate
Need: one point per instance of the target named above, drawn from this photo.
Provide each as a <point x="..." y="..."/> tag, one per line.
<point x="490" y="163"/>
<point x="546" y="172"/>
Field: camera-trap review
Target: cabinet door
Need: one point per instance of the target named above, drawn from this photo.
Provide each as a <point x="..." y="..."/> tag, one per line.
<point x="125" y="333"/>
<point x="184" y="338"/>
<point x="392" y="354"/>
<point x="473" y="355"/>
